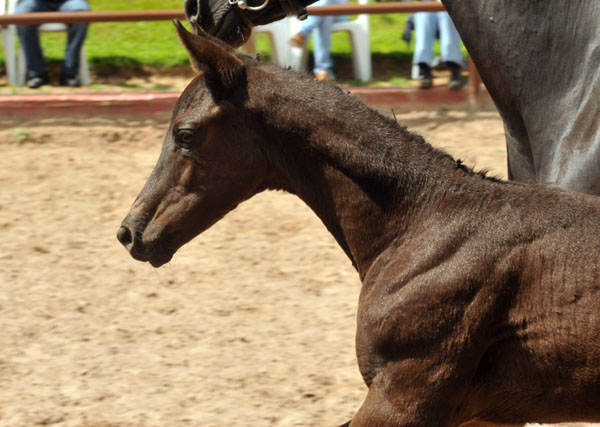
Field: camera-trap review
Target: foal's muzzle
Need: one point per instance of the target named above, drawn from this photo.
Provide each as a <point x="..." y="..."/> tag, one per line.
<point x="142" y="241"/>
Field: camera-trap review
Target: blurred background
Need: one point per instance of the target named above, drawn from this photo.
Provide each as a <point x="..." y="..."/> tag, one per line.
<point x="148" y="56"/>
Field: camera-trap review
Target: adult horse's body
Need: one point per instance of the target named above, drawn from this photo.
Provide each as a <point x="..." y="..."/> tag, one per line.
<point x="480" y="298"/>
<point x="539" y="59"/>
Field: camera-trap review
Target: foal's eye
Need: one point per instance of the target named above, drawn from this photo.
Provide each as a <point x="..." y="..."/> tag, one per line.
<point x="185" y="139"/>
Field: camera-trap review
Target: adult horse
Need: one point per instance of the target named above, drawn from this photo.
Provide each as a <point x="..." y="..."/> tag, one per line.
<point x="539" y="59"/>
<point x="480" y="299"/>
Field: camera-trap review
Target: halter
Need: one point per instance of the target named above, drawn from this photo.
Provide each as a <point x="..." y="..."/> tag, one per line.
<point x="290" y="7"/>
<point x="242" y="4"/>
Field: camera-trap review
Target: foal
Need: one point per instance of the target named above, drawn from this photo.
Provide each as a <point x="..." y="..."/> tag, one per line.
<point x="480" y="299"/>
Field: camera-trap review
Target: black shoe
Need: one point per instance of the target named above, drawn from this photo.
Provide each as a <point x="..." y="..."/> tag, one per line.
<point x="39" y="81"/>
<point x="69" y="81"/>
<point x="425" y="76"/>
<point x="456" y="80"/>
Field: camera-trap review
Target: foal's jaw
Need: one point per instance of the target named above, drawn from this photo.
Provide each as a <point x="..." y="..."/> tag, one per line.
<point x="165" y="216"/>
<point x="156" y="240"/>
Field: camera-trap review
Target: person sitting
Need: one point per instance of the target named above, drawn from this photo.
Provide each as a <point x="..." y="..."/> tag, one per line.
<point x="30" y="41"/>
<point x="322" y="26"/>
<point x="426" y="26"/>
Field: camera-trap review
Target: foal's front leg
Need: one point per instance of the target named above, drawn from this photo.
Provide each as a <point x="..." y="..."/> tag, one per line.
<point x="392" y="402"/>
<point x="420" y="386"/>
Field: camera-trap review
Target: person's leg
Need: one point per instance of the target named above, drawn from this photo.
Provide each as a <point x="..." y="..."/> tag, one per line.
<point x="323" y="69"/>
<point x="30" y="41"/>
<point x="310" y="24"/>
<point x="301" y="37"/>
<point x="449" y="39"/>
<point x="76" y="34"/>
<point x="322" y="47"/>
<point x="450" y="44"/>
<point x="307" y="27"/>
<point x="425" y="28"/>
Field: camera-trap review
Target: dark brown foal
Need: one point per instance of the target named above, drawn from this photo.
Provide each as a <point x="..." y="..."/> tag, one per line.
<point x="480" y="299"/>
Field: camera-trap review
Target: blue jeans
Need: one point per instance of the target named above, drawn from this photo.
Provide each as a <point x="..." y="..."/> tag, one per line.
<point x="30" y="39"/>
<point x="426" y="26"/>
<point x="322" y="26"/>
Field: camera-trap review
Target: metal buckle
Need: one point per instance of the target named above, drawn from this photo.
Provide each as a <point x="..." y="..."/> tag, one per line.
<point x="242" y="4"/>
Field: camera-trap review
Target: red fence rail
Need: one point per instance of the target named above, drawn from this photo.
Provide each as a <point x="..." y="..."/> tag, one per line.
<point x="37" y="18"/>
<point x="376" y="8"/>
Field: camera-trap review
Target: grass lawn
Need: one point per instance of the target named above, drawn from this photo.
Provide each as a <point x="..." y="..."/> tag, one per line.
<point x="135" y="44"/>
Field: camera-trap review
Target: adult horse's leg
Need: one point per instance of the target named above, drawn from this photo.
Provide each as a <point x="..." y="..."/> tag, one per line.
<point x="520" y="162"/>
<point x="346" y="424"/>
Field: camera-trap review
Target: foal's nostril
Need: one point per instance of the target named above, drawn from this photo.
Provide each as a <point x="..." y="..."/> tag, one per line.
<point x="124" y="236"/>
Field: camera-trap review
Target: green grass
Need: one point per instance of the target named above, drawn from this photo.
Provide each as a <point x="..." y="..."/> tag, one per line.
<point x="133" y="44"/>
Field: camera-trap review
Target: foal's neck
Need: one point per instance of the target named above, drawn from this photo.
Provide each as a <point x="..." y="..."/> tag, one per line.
<point x="366" y="177"/>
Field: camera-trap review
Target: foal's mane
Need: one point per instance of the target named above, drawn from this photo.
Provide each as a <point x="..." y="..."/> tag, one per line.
<point x="378" y="147"/>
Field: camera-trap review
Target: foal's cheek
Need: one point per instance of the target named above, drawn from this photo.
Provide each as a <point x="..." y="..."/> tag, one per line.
<point x="189" y="173"/>
<point x="186" y="178"/>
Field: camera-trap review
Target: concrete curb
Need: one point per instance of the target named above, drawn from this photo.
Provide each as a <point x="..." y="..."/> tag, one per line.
<point x="412" y="96"/>
<point x="19" y="106"/>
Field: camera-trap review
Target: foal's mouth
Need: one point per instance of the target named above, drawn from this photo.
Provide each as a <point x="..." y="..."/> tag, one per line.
<point x="157" y="254"/>
<point x="159" y="257"/>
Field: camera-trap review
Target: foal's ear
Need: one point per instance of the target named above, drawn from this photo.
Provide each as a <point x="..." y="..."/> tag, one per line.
<point x="212" y="56"/>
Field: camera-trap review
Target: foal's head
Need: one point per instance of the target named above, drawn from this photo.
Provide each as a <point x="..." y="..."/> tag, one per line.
<point x="210" y="159"/>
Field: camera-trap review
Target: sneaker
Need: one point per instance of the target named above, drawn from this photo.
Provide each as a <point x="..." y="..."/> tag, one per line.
<point x="69" y="81"/>
<point x="425" y="76"/>
<point x="299" y="40"/>
<point x="38" y="81"/>
<point x="323" y="76"/>
<point x="456" y="79"/>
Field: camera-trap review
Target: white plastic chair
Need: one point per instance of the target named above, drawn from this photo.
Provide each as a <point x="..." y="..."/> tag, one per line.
<point x="279" y="34"/>
<point x="358" y="30"/>
<point x="8" y="39"/>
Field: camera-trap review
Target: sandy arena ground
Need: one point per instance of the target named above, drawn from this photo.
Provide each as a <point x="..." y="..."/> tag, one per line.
<point x="251" y="324"/>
